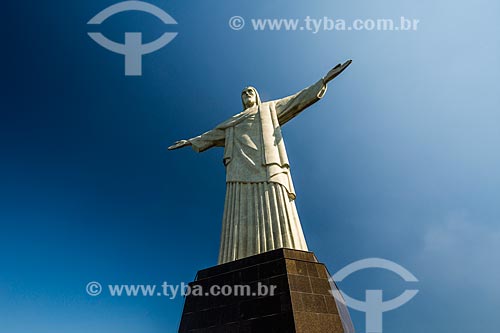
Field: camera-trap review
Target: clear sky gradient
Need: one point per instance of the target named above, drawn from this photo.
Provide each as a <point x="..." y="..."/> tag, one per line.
<point x="400" y="160"/>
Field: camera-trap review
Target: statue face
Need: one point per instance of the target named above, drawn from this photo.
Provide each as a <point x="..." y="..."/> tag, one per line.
<point x="249" y="97"/>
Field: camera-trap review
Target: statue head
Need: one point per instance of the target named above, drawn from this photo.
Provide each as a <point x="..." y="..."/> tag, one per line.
<point x="250" y="97"/>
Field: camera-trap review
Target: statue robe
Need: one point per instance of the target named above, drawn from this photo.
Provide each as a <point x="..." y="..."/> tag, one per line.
<point x="259" y="211"/>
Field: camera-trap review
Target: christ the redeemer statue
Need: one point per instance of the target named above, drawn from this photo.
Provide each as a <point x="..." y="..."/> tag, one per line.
<point x="259" y="211"/>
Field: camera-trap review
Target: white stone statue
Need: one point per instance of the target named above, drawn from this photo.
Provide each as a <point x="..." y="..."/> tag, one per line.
<point x="259" y="211"/>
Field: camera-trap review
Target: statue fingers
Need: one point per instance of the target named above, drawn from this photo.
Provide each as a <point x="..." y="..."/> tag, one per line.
<point x="179" y="144"/>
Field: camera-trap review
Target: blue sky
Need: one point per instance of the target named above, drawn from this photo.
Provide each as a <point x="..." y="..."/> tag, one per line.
<point x="400" y="159"/>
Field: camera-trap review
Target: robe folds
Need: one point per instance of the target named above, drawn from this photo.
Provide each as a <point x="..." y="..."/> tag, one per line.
<point x="259" y="210"/>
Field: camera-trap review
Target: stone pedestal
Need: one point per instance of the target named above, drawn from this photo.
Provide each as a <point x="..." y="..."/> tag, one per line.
<point x="301" y="301"/>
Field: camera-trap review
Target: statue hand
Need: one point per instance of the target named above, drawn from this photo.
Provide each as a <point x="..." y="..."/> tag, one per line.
<point x="179" y="144"/>
<point x="335" y="71"/>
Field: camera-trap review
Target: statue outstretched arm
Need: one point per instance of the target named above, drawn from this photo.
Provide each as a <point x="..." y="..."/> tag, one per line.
<point x="289" y="107"/>
<point x="212" y="138"/>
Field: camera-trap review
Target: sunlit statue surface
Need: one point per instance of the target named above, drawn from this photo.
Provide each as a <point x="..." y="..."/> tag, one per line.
<point x="259" y="211"/>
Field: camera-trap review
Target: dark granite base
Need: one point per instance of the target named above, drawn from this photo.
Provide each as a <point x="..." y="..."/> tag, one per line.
<point x="302" y="301"/>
